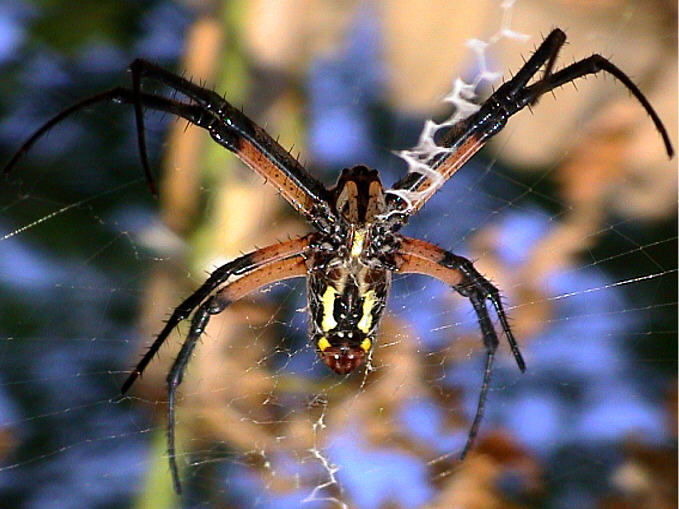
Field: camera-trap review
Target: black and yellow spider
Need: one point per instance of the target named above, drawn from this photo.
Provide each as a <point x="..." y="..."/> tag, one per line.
<point x="355" y="247"/>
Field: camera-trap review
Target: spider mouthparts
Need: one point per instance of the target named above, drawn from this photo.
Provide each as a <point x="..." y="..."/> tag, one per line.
<point x="343" y="359"/>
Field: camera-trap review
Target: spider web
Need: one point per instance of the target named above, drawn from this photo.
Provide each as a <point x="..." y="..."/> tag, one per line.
<point x="587" y="268"/>
<point x="463" y="96"/>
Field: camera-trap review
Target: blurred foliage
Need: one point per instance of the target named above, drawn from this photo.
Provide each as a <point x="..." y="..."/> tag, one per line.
<point x="66" y="26"/>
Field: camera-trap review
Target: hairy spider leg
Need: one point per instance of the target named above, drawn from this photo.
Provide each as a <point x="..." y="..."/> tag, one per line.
<point x="141" y="130"/>
<point x="227" y="125"/>
<point x="418" y="256"/>
<point x="545" y="55"/>
<point x="559" y="37"/>
<point x="108" y="95"/>
<point x="294" y="266"/>
<point x="248" y="140"/>
<point x="190" y="112"/>
<point x="593" y="65"/>
<point x="467" y="136"/>
<point x="243" y="265"/>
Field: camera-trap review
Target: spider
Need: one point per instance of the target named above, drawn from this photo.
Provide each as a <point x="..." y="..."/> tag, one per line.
<point x="355" y="247"/>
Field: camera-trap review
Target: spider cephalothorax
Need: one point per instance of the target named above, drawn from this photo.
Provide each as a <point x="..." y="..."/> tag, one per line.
<point x="349" y="259"/>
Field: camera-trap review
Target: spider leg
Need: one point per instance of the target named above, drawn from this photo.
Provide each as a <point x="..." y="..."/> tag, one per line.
<point x="207" y="98"/>
<point x="174" y="378"/>
<point x="466" y="137"/>
<point x="141" y="130"/>
<point x="552" y="44"/>
<point x="250" y="281"/>
<point x="227" y="125"/>
<point x="490" y="341"/>
<point x="239" y="266"/>
<point x="418" y="256"/>
<point x="545" y="55"/>
<point x="252" y="144"/>
<point x="592" y="65"/>
<point x="108" y="95"/>
<point x="122" y="95"/>
<point x="140" y="68"/>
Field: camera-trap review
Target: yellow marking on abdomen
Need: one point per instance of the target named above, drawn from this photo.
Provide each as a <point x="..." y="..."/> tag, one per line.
<point x="328" y="300"/>
<point x="367" y="319"/>
<point x="359" y="241"/>
<point x="323" y="344"/>
<point x="366" y="344"/>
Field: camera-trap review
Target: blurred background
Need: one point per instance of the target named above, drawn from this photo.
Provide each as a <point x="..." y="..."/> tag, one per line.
<point x="571" y="211"/>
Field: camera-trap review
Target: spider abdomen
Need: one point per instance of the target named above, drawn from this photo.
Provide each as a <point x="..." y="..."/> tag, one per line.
<point x="346" y="302"/>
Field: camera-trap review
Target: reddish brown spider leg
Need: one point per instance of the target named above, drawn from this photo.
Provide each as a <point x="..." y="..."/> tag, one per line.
<point x="238" y="133"/>
<point x="227" y="125"/>
<point x="239" y="266"/>
<point x="465" y="137"/>
<point x="249" y="282"/>
<point x="418" y="256"/>
<point x="425" y="187"/>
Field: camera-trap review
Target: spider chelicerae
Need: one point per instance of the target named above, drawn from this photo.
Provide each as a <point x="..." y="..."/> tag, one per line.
<point x="355" y="245"/>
